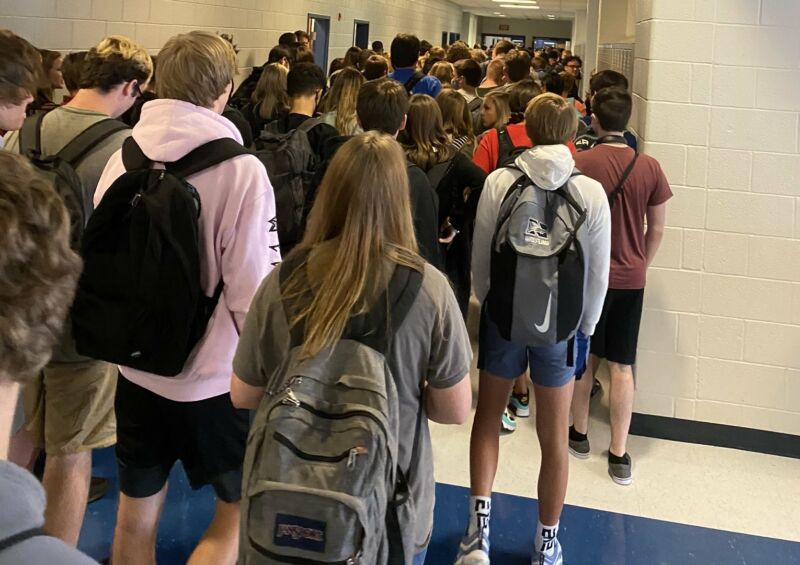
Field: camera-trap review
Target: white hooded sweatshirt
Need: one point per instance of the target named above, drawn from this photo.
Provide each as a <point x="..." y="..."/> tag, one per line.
<point x="549" y="167"/>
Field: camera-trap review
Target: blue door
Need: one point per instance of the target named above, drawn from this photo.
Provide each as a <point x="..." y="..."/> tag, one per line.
<point x="320" y="28"/>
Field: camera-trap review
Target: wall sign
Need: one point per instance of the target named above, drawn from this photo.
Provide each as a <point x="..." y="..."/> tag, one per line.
<point x="504" y="27"/>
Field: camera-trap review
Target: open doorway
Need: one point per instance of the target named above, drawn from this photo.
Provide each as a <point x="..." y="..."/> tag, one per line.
<point x="319" y="27"/>
<point x="361" y="34"/>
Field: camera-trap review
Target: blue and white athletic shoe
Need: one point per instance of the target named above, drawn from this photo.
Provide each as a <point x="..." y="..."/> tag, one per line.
<point x="474" y="548"/>
<point x="507" y="422"/>
<point x="555" y="557"/>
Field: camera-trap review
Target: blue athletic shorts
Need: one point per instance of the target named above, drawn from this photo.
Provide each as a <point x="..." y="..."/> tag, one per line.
<point x="549" y="366"/>
<point x="582" y="352"/>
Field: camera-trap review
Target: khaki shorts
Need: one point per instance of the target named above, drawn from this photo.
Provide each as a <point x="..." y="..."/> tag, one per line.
<point x="69" y="408"/>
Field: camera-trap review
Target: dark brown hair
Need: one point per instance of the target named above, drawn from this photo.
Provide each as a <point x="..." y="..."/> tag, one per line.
<point x="612" y="106"/>
<point x="424" y="139"/>
<point x="381" y="105"/>
<point x="19" y="68"/>
<point x="72" y="68"/>
<point x="456" y="117"/>
<point x="38" y="270"/>
<point x="376" y="67"/>
<point x="458" y="51"/>
<point x="518" y="65"/>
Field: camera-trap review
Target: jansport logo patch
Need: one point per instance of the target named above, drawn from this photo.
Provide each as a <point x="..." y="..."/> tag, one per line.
<point x="299" y="532"/>
<point x="536" y="232"/>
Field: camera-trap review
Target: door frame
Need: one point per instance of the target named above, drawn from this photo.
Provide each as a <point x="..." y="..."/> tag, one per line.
<point x="355" y="26"/>
<point x="321" y="64"/>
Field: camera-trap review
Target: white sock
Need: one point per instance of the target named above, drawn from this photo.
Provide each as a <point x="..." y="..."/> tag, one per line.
<point x="480" y="508"/>
<point x="546" y="538"/>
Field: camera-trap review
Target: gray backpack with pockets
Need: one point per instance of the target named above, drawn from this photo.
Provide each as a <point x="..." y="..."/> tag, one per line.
<point x="537" y="264"/>
<point x="322" y="481"/>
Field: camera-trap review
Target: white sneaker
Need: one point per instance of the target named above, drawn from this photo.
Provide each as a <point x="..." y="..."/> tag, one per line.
<point x="473" y="549"/>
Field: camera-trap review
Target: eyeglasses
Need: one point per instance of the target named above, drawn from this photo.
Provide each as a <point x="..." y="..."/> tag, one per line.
<point x="573" y="66"/>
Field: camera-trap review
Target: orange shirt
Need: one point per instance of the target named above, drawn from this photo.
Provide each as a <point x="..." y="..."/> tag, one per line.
<point x="488" y="150"/>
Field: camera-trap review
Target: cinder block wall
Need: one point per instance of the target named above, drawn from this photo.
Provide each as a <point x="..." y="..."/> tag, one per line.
<point x="72" y="25"/>
<point x="717" y="101"/>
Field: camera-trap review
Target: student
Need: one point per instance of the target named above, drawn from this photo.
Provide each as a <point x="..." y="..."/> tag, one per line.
<point x="359" y="233"/>
<point x="495" y="111"/>
<point x="516" y="67"/>
<point x="553" y="59"/>
<point x="497" y="144"/>
<point x="352" y="57"/>
<point x="404" y="50"/>
<point x="305" y="56"/>
<point x="50" y="80"/>
<point x="494" y="78"/>
<point x="205" y="432"/>
<point x="269" y="100"/>
<point x="19" y="73"/>
<point x="71" y="70"/>
<point x="303" y="40"/>
<point x="69" y="407"/>
<point x="305" y="84"/>
<point x="569" y="89"/>
<point x="502" y="48"/>
<point x="339" y="106"/>
<point x="377" y="46"/>
<point x="457" y="182"/>
<point x="468" y="79"/>
<point x="131" y="117"/>
<point x="457" y="121"/>
<point x="598" y="82"/>
<point x="33" y="220"/>
<point x="550" y="123"/>
<point x="383" y="106"/>
<point x="444" y="72"/>
<point x="288" y="41"/>
<point x="458" y="51"/>
<point x="637" y="190"/>
<point x="278" y="54"/>
<point x="479" y="56"/>
<point x="376" y="67"/>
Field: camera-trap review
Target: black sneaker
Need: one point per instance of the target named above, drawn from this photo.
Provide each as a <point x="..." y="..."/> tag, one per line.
<point x="97" y="489"/>
<point x="619" y="469"/>
<point x="578" y="444"/>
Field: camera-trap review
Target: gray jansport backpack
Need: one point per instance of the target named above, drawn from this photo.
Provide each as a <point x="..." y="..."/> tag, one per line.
<point x="321" y="477"/>
<point x="537" y="265"/>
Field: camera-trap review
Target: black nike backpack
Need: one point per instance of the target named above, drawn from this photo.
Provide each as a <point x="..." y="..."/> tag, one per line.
<point x="139" y="301"/>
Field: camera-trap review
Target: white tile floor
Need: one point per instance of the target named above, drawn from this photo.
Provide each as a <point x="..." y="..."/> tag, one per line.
<point x="699" y="485"/>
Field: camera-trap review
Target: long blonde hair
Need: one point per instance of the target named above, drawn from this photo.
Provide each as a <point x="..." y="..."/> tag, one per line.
<point x="270" y="93"/>
<point x="424" y="139"/>
<point x="500" y="99"/>
<point x="343" y="98"/>
<point x="362" y="220"/>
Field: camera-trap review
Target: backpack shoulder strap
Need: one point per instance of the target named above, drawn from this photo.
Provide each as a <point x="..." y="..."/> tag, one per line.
<point x="612" y="197"/>
<point x="206" y="156"/>
<point x="309" y="124"/>
<point x="30" y="136"/>
<point x="77" y="149"/>
<point x="413" y="81"/>
<point x="133" y="158"/>
<point x="20" y="537"/>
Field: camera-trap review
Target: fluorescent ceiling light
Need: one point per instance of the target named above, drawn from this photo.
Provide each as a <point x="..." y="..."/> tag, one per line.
<point x="515" y="1"/>
<point x="519" y="7"/>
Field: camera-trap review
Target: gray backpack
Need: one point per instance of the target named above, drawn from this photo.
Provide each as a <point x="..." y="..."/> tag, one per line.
<point x="537" y="265"/>
<point x="322" y="483"/>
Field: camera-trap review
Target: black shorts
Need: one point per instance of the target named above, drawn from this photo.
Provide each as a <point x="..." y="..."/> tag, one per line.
<point x="208" y="436"/>
<point x="617" y="334"/>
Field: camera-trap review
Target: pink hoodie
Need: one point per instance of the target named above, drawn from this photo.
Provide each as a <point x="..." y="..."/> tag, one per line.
<point x="236" y="240"/>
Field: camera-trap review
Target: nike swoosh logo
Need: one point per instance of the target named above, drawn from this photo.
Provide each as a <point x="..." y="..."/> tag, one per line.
<point x="545" y="325"/>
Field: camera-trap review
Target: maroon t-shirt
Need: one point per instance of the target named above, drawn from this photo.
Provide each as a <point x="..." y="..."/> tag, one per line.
<point x="646" y="186"/>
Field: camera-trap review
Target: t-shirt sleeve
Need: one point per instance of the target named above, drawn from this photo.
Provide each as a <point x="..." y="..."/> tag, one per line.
<point x="661" y="191"/>
<point x="264" y="341"/>
<point x="484" y="157"/>
<point x="451" y="351"/>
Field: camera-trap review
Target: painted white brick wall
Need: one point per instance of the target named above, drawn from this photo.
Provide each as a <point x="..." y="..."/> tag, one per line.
<point x="718" y="104"/>
<point x="70" y="25"/>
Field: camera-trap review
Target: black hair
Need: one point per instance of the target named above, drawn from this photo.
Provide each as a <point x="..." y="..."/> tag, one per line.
<point x="519" y="96"/>
<point x="287" y="39"/>
<point x="336" y="65"/>
<point x="377" y="46"/>
<point x="278" y="53"/>
<point x="381" y="105"/>
<point x="300" y="34"/>
<point x="607" y="79"/>
<point x="404" y="50"/>
<point x="471" y="71"/>
<point x="424" y="47"/>
<point x="613" y="106"/>
<point x="554" y="83"/>
<point x="304" y="80"/>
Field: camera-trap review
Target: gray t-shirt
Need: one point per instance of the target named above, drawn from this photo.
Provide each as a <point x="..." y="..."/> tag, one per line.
<point x="59" y="127"/>
<point x="432" y="345"/>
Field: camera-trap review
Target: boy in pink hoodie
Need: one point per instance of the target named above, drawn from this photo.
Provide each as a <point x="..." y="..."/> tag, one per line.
<point x="190" y="417"/>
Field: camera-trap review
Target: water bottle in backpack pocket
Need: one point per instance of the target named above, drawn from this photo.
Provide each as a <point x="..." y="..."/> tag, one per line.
<point x="537" y="265"/>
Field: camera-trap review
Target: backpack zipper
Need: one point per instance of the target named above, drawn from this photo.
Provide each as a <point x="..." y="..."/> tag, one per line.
<point x="355" y="560"/>
<point x="351" y="454"/>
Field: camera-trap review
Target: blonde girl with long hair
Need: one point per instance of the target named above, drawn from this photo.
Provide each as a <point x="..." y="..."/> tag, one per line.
<point x="457" y="182"/>
<point x="339" y="106"/>
<point x="359" y="237"/>
<point x="269" y="100"/>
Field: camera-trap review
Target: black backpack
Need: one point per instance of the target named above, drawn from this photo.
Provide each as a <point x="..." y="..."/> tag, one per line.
<point x="507" y="152"/>
<point x="139" y="301"/>
<point x="291" y="165"/>
<point x="60" y="168"/>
